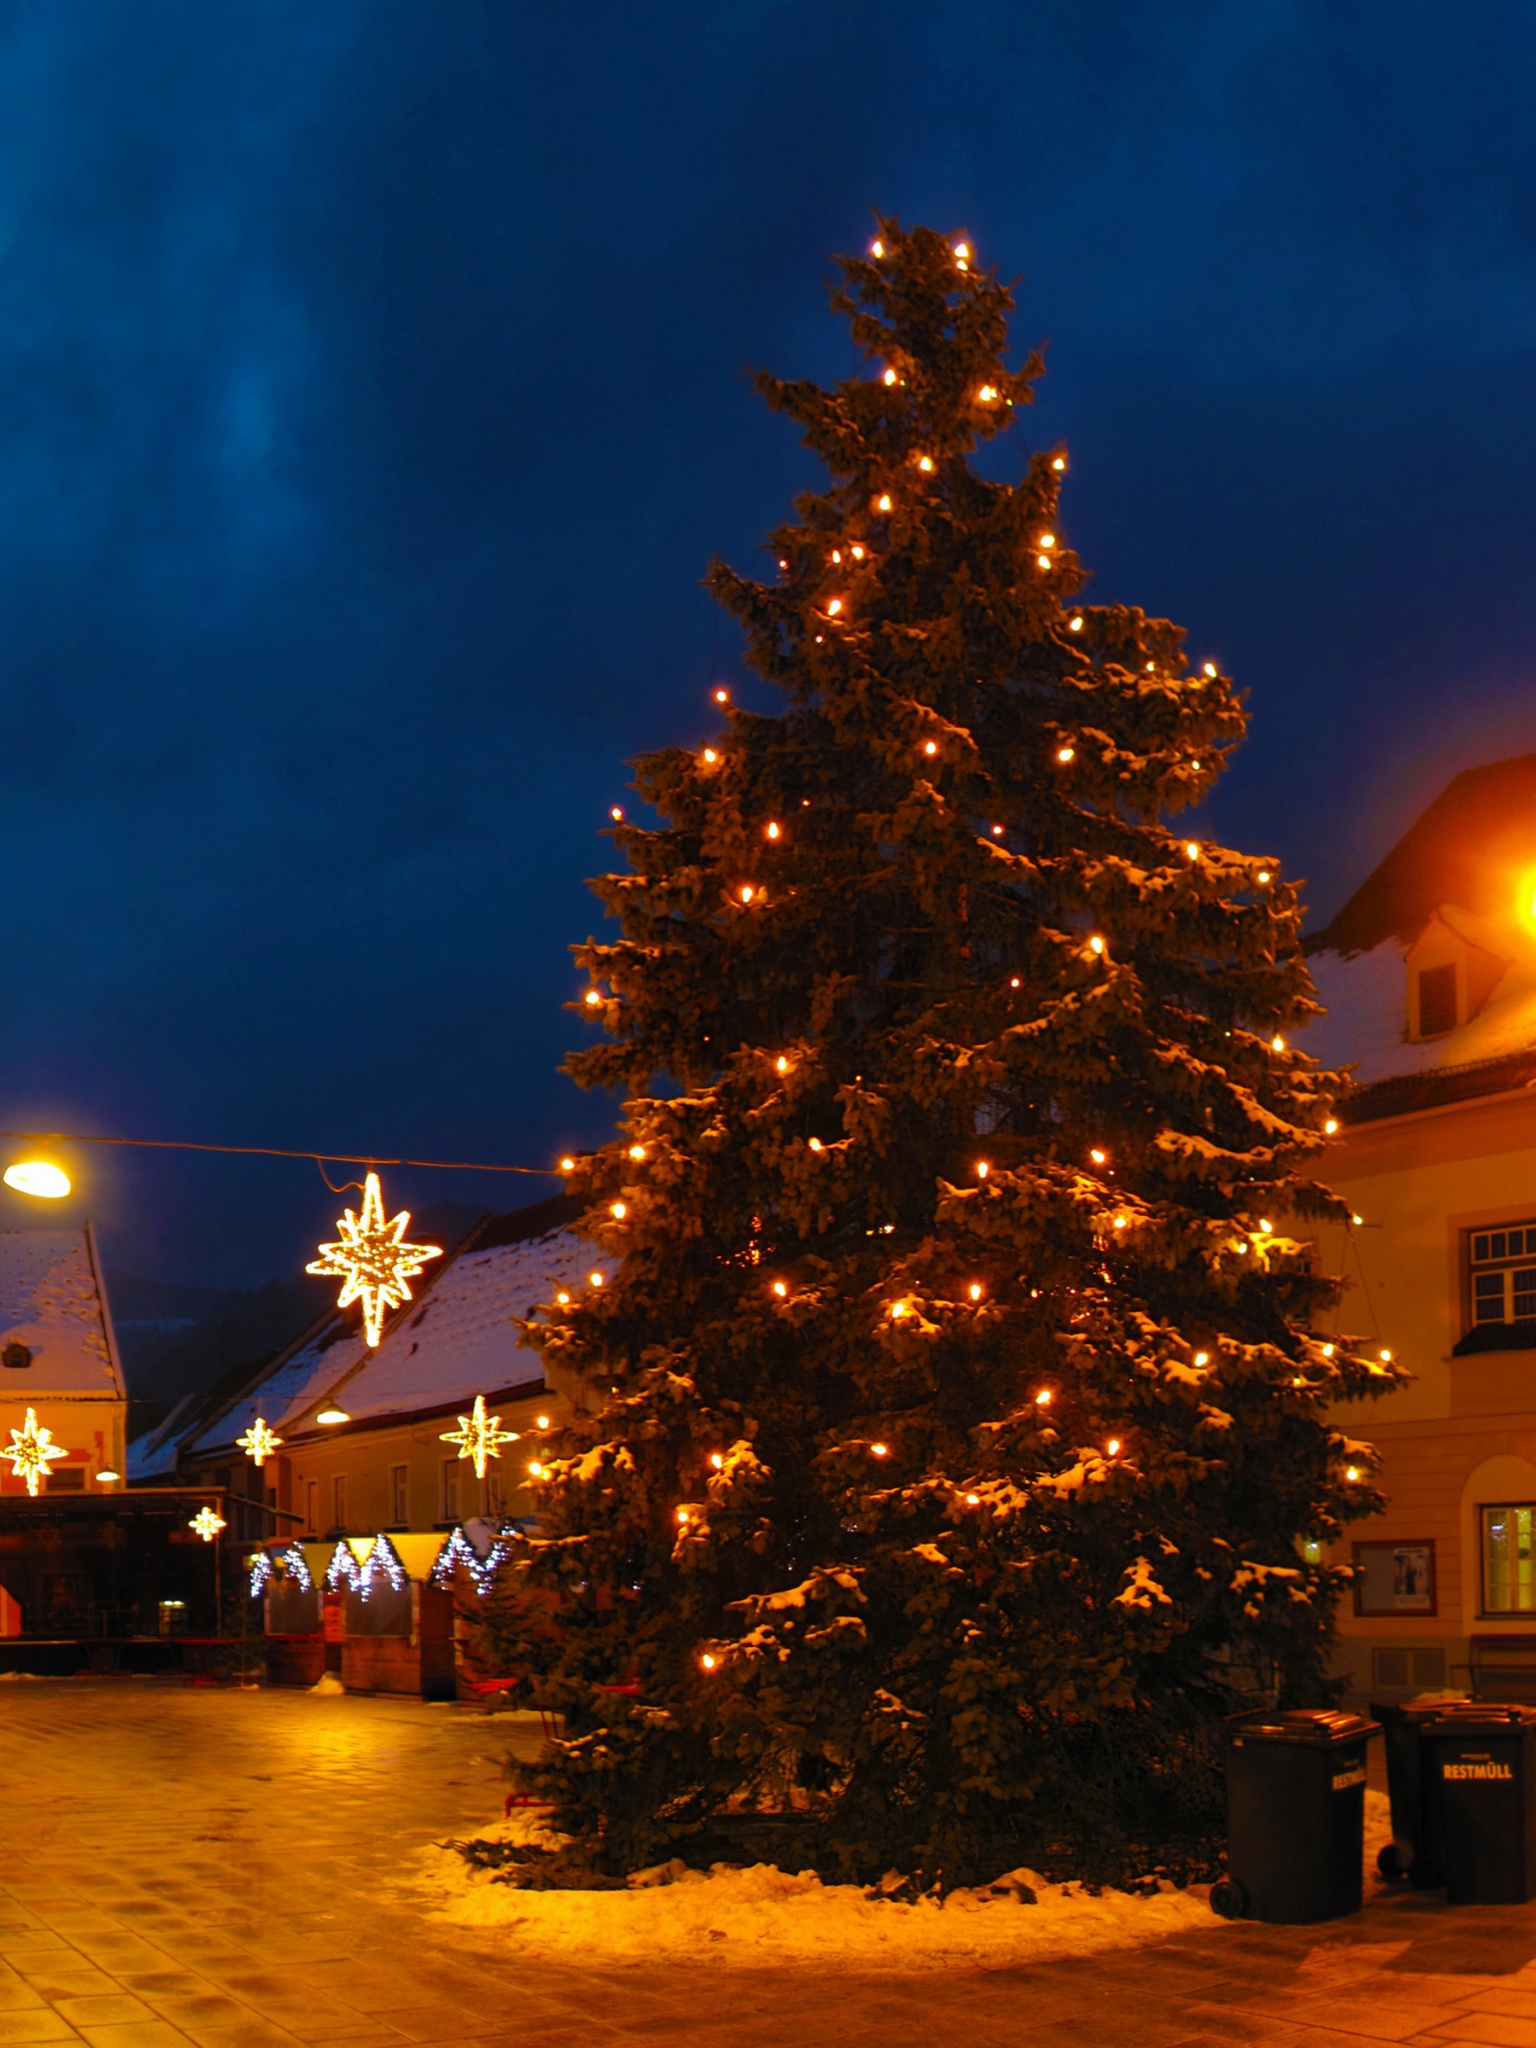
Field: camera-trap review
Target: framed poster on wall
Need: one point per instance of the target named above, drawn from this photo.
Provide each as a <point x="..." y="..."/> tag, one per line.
<point x="1395" y="1578"/>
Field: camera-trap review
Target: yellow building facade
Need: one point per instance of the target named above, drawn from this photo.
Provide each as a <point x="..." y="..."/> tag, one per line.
<point x="1430" y="977"/>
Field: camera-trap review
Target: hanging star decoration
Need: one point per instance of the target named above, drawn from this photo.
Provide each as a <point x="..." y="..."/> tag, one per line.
<point x="207" y="1524"/>
<point x="259" y="1442"/>
<point x="31" y="1449"/>
<point x="479" y="1436"/>
<point x="374" y="1260"/>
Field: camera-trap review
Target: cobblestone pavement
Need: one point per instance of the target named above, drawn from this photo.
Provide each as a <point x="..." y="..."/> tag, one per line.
<point x="187" y="1866"/>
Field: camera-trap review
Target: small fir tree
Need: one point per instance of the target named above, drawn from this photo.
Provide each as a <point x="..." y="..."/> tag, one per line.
<point x="956" y="1412"/>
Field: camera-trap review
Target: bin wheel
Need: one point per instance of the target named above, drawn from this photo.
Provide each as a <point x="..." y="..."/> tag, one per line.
<point x="1425" y="1875"/>
<point x="1389" y="1863"/>
<point x="1228" y="1898"/>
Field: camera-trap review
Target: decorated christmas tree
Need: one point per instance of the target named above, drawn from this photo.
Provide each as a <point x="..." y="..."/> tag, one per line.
<point x="958" y="1429"/>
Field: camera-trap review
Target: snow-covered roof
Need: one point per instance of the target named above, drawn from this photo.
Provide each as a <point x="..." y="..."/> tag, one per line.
<point x="1470" y="861"/>
<point x="456" y="1340"/>
<point x="52" y="1302"/>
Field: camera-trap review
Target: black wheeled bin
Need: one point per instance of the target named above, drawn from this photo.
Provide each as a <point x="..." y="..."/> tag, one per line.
<point x="1486" y="1760"/>
<point x="1413" y="1785"/>
<point x="1295" y="1816"/>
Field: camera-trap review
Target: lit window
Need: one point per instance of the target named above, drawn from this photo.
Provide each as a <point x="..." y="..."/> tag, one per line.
<point x="1502" y="1267"/>
<point x="1509" y="1559"/>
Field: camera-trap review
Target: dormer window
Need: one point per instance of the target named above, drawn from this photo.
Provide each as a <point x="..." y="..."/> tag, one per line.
<point x="1450" y="976"/>
<point x="16" y="1357"/>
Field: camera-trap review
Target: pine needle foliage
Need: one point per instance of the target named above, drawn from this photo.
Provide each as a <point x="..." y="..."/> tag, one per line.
<point x="956" y="1415"/>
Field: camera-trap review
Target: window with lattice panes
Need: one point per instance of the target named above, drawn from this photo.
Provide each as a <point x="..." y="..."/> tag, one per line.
<point x="1437" y="1000"/>
<point x="1502" y="1272"/>
<point x="1509" y="1558"/>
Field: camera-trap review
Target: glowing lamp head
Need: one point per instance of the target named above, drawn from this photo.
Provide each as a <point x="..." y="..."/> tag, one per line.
<point x="330" y="1417"/>
<point x="883" y="502"/>
<point x="816" y="1144"/>
<point x="535" y="1468"/>
<point x="1202" y="1358"/>
<point x="107" y="1477"/>
<point x="717" y="1459"/>
<point x="616" y="814"/>
<point x="772" y="829"/>
<point x="1210" y="669"/>
<point x="1263" y="872"/>
<point x="781" y="1065"/>
<point x="707" y="1661"/>
<point x="747" y="892"/>
<point x="618" y="1211"/>
<point x="38" y="1177"/>
<point x="710" y="756"/>
<point x="877" y="250"/>
<point x="983" y="1168"/>
<point x="542" y="1421"/>
<point x="834" y="607"/>
<point x="1097" y="1156"/>
<point x="637" y="1151"/>
<point x="724" y="696"/>
<point x="1330" y="1126"/>
<point x="595" y="1279"/>
<point x="1352" y="1472"/>
<point x="1386" y="1356"/>
<point x="898" y="1310"/>
<point x="1277" y="1043"/>
<point x="1059" y="464"/>
<point x="567" y="1165"/>
<point x="963" y="252"/>
<point x="1043" y="1398"/>
<point x="1113" y="1447"/>
<point x="974" y="1290"/>
<point x="593" y="998"/>
<point x="1096" y="944"/>
<point x="890" y="377"/>
<point x="925" y="464"/>
<point x="780" y="1288"/>
<point x="987" y="393"/>
<point x="1066" y="754"/>
<point x="879" y="1450"/>
<point x="1075" y="624"/>
<point x="930" y="748"/>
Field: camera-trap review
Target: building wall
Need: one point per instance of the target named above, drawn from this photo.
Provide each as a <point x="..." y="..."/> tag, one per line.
<point x="364" y="1457"/>
<point x="1463" y="1432"/>
<point x="91" y="1428"/>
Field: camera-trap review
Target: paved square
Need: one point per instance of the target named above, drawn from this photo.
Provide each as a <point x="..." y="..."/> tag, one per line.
<point x="195" y="1866"/>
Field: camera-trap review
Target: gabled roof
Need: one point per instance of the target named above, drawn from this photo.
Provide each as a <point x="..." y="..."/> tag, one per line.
<point x="1477" y="835"/>
<point x="1470" y="858"/>
<point x="52" y="1301"/>
<point x="454" y="1340"/>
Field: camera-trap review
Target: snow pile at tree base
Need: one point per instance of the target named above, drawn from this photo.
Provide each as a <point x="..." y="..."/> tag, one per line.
<point x="765" y="1915"/>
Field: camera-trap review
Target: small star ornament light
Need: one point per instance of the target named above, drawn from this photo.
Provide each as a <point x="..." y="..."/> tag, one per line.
<point x="259" y="1442"/>
<point x="31" y="1451"/>
<point x="373" y="1259"/>
<point x="479" y="1436"/>
<point x="207" y="1524"/>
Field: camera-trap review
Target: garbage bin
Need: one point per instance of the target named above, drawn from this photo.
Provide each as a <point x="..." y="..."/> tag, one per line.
<point x="1486" y="1759"/>
<point x="1295" y="1816"/>
<point x="1413" y="1786"/>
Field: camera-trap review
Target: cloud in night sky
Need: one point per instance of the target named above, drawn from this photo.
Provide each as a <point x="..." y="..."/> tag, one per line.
<point x="371" y="404"/>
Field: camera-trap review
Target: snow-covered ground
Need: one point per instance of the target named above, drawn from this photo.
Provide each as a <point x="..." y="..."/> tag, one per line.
<point x="762" y="1915"/>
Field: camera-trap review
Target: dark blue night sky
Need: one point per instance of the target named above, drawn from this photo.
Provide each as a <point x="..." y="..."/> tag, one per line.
<point x="371" y="404"/>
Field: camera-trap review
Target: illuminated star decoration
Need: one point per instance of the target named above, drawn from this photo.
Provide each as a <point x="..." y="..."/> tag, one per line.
<point x="374" y="1260"/>
<point x="259" y="1442"/>
<point x="206" y="1523"/>
<point x="32" y="1446"/>
<point x="479" y="1436"/>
